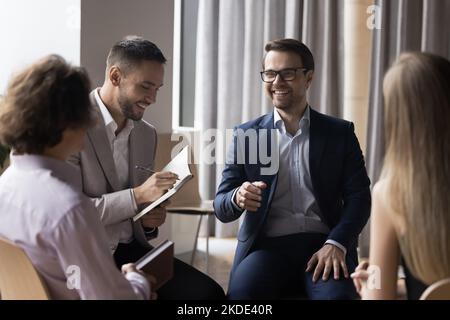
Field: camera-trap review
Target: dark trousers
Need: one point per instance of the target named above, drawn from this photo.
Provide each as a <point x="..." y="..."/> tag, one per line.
<point x="275" y="269"/>
<point x="187" y="283"/>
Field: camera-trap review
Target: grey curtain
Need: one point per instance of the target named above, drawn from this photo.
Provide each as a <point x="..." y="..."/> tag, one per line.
<point x="230" y="45"/>
<point x="323" y="33"/>
<point x="406" y="25"/>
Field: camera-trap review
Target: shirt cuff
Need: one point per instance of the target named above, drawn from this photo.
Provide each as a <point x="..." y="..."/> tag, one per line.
<point x="140" y="285"/>
<point x="337" y="244"/>
<point x="235" y="206"/>
<point x="133" y="200"/>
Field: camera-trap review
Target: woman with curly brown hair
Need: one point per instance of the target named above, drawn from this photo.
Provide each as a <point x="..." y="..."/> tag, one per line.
<point x="43" y="119"/>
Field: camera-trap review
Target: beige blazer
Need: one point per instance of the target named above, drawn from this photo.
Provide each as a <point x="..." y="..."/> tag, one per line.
<point x="99" y="176"/>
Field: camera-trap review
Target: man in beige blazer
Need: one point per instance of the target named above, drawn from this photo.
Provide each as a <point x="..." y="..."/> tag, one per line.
<point x="116" y="151"/>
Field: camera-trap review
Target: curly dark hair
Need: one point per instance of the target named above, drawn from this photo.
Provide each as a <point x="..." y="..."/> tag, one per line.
<point x="41" y="102"/>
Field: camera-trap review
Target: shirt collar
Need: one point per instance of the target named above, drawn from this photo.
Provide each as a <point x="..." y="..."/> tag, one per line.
<point x="59" y="169"/>
<point x="304" y="121"/>
<point x="107" y="118"/>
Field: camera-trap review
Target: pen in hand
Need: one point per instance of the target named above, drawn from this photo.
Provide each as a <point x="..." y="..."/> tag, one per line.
<point x="144" y="169"/>
<point x="148" y="170"/>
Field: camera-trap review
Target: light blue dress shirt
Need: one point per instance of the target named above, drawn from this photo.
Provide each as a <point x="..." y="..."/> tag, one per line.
<point x="294" y="208"/>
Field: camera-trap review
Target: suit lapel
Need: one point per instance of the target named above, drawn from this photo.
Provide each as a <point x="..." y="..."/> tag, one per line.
<point x="317" y="141"/>
<point x="270" y="180"/>
<point x="132" y="159"/>
<point x="137" y="157"/>
<point x="99" y="140"/>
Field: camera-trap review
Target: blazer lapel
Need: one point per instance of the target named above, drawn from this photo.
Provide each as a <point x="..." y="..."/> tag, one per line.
<point x="271" y="180"/>
<point x="137" y="157"/>
<point x="317" y="141"/>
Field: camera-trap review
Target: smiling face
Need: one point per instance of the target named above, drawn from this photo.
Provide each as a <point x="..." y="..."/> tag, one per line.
<point x="287" y="95"/>
<point x="138" y="88"/>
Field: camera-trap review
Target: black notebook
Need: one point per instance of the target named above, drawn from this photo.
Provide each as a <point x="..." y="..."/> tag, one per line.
<point x="158" y="262"/>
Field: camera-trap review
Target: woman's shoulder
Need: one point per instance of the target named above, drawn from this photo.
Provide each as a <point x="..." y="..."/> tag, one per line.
<point x="380" y="186"/>
<point x="380" y="192"/>
<point x="382" y="198"/>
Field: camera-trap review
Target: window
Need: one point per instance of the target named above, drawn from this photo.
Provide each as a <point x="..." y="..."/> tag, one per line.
<point x="185" y="40"/>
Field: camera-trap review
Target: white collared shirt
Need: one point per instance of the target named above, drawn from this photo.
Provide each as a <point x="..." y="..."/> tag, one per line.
<point x="43" y="211"/>
<point x="119" y="147"/>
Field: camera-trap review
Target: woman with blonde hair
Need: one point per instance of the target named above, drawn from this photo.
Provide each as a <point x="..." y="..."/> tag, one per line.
<point x="411" y="202"/>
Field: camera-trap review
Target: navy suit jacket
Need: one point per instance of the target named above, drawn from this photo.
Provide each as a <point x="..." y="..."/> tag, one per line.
<point x="338" y="174"/>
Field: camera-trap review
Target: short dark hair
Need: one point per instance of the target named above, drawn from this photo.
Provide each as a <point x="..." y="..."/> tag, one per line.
<point x="133" y="50"/>
<point x="292" y="45"/>
<point x="41" y="102"/>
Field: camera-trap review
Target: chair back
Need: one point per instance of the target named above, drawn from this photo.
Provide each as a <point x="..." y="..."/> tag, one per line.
<point x="437" y="291"/>
<point x="19" y="280"/>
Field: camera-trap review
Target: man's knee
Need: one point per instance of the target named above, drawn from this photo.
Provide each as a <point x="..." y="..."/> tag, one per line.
<point x="332" y="290"/>
<point x="245" y="290"/>
<point x="261" y="275"/>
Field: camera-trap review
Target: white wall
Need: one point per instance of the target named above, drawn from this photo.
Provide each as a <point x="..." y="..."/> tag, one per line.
<point x="104" y="22"/>
<point x="31" y="29"/>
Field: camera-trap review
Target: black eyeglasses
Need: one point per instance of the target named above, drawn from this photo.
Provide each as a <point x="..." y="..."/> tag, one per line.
<point x="288" y="74"/>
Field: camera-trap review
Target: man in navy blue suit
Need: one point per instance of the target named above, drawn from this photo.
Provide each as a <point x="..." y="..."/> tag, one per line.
<point x="305" y="208"/>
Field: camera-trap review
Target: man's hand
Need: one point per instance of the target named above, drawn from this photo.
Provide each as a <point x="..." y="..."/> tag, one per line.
<point x="154" y="187"/>
<point x="248" y="196"/>
<point x="155" y="217"/>
<point x="131" y="267"/>
<point x="327" y="258"/>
